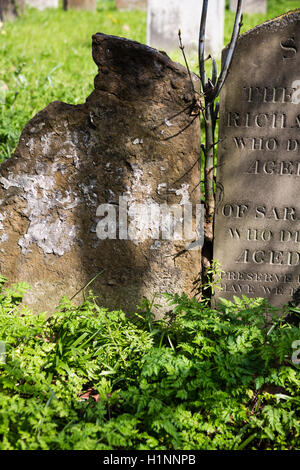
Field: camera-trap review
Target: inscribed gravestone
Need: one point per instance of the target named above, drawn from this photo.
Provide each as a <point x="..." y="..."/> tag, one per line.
<point x="42" y="4"/>
<point x="251" y="6"/>
<point x="131" y="4"/>
<point x="165" y="18"/>
<point x="257" y="223"/>
<point x="72" y="160"/>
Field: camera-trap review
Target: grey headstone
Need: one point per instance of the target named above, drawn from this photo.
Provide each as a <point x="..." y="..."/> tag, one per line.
<point x="251" y="6"/>
<point x="164" y="19"/>
<point x="42" y="4"/>
<point x="257" y="228"/>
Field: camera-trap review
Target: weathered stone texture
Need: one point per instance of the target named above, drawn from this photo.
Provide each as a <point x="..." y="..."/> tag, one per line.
<point x="131" y="4"/>
<point x="42" y="4"/>
<point x="71" y="158"/>
<point x="257" y="224"/>
<point x="90" y="5"/>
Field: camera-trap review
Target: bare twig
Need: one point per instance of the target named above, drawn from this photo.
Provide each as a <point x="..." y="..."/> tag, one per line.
<point x="214" y="72"/>
<point x="197" y="185"/>
<point x="211" y="90"/>
<point x="172" y="117"/>
<point x="188" y="171"/>
<point x="183" y="129"/>
<point x="231" y="48"/>
<point x="202" y="43"/>
<point x="215" y="115"/>
<point x="185" y="60"/>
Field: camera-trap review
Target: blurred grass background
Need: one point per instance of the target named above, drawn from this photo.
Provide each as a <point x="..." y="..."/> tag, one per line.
<point x="46" y="56"/>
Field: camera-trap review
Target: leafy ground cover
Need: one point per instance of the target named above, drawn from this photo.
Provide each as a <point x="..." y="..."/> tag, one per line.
<point x="86" y="378"/>
<point x="46" y="56"/>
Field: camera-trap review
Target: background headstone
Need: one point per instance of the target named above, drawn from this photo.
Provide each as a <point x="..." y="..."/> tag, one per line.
<point x="164" y="19"/>
<point x="131" y="4"/>
<point x="71" y="159"/>
<point x="257" y="229"/>
<point x="90" y="5"/>
<point x="42" y="4"/>
<point x="9" y="9"/>
<point x="251" y="6"/>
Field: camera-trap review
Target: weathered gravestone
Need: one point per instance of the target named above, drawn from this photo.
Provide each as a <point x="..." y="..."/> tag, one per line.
<point x="164" y="19"/>
<point x="257" y="224"/>
<point x="90" y="5"/>
<point x="251" y="6"/>
<point x="42" y="4"/>
<point x="72" y="165"/>
<point x="9" y="9"/>
<point x="131" y="4"/>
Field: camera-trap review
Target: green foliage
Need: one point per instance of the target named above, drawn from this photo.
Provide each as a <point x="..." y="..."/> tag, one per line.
<point x="200" y="378"/>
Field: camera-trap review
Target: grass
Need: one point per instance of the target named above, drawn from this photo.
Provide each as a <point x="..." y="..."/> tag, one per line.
<point x="46" y="56"/>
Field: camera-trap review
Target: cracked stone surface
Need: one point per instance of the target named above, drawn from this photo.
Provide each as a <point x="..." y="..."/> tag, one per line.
<point x="71" y="159"/>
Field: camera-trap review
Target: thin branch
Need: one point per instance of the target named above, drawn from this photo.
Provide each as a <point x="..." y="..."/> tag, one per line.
<point x="215" y="115"/>
<point x="202" y="43"/>
<point x="231" y="49"/>
<point x="214" y="72"/>
<point x="185" y="60"/>
<point x="198" y="184"/>
<point x="188" y="171"/>
<point x="216" y="143"/>
<point x="172" y="117"/>
<point x="182" y="130"/>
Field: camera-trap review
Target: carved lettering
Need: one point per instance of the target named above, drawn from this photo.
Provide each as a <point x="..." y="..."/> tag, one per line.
<point x="290" y="236"/>
<point x="234" y="210"/>
<point x="273" y="167"/>
<point x="257" y="225"/>
<point x="259" y="235"/>
<point x="269" y="94"/>
<point x="259" y="277"/>
<point x="235" y="233"/>
<point x="256" y="143"/>
<point x="272" y="257"/>
<point x="274" y="291"/>
<point x="289" y="48"/>
<point x="238" y="288"/>
<point x="260" y="120"/>
<point x="276" y="213"/>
